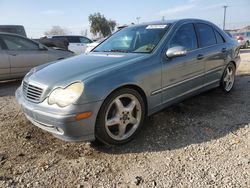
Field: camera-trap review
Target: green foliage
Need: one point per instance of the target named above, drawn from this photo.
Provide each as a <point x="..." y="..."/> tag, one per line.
<point x="99" y="25"/>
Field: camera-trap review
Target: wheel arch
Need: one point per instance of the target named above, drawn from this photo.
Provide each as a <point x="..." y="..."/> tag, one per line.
<point x="131" y="86"/>
<point x="233" y="63"/>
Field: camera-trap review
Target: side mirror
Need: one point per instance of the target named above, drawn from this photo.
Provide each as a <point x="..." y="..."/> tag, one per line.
<point x="41" y="47"/>
<point x="176" y="51"/>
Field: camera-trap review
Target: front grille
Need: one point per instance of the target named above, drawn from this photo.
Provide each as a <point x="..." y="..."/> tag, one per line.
<point x="31" y="92"/>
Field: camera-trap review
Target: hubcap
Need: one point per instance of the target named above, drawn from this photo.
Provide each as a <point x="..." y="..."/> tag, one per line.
<point x="229" y="78"/>
<point x="123" y="117"/>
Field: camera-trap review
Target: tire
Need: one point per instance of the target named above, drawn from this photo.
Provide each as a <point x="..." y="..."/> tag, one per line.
<point x="120" y="117"/>
<point x="246" y="45"/>
<point x="228" y="78"/>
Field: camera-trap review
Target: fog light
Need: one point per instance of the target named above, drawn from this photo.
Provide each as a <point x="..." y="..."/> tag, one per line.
<point x="83" y="115"/>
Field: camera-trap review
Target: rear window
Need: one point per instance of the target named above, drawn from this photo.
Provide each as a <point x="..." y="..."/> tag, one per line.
<point x="206" y="35"/>
<point x="84" y="40"/>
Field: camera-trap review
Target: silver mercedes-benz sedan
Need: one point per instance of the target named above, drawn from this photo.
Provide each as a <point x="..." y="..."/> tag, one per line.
<point x="19" y="54"/>
<point x="106" y="94"/>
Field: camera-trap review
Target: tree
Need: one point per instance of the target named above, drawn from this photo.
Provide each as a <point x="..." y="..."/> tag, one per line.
<point x="100" y="26"/>
<point x="56" y="30"/>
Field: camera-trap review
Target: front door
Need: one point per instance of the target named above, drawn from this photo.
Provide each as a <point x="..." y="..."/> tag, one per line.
<point x="24" y="54"/>
<point x="184" y="74"/>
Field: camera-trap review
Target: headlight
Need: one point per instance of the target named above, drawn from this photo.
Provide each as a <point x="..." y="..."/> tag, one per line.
<point x="66" y="96"/>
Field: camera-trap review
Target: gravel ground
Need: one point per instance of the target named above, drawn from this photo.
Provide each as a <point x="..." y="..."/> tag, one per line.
<point x="201" y="142"/>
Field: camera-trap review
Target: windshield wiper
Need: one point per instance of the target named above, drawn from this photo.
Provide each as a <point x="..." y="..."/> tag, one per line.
<point x="117" y="50"/>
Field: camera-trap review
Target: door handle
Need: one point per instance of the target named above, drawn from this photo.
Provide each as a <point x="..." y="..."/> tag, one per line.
<point x="200" y="56"/>
<point x="223" y="50"/>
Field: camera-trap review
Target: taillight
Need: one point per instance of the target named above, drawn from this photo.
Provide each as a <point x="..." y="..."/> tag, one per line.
<point x="240" y="38"/>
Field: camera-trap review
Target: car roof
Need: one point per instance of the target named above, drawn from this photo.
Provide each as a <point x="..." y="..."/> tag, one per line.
<point x="174" y="21"/>
<point x="68" y="36"/>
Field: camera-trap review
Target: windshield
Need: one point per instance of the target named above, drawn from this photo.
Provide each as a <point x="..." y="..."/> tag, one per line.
<point x="138" y="39"/>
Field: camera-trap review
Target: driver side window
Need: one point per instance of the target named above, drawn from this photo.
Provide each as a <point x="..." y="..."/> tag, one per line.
<point x="186" y="37"/>
<point x="18" y="43"/>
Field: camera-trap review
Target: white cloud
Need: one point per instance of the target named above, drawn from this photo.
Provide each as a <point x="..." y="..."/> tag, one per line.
<point x="193" y="1"/>
<point x="52" y="12"/>
<point x="177" y="9"/>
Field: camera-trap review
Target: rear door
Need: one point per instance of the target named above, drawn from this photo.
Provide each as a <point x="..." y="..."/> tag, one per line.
<point x="24" y="54"/>
<point x="214" y="51"/>
<point x="185" y="74"/>
<point x="4" y="62"/>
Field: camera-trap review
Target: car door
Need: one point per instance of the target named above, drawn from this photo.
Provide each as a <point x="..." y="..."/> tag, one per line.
<point x="4" y="62"/>
<point x="184" y="74"/>
<point x="214" y="51"/>
<point x="24" y="54"/>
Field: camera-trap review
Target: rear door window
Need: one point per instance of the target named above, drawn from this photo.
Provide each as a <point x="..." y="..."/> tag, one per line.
<point x="205" y="34"/>
<point x="219" y="38"/>
<point x="186" y="37"/>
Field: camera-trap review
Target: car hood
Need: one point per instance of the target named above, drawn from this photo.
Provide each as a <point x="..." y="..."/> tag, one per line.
<point x="81" y="67"/>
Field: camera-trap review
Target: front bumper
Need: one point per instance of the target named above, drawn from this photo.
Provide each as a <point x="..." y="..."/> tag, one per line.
<point x="61" y="121"/>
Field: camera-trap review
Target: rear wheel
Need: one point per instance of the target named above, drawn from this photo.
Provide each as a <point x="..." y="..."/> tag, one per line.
<point x="228" y="78"/>
<point x="121" y="117"/>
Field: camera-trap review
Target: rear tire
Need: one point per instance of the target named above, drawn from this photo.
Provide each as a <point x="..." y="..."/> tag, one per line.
<point x="228" y="78"/>
<point x="120" y="117"/>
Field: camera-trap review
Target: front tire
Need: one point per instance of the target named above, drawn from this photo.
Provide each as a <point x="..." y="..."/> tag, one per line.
<point x="120" y="117"/>
<point x="246" y="45"/>
<point x="228" y="78"/>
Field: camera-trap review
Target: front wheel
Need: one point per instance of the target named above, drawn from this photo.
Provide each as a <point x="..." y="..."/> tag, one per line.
<point x="246" y="45"/>
<point x="121" y="117"/>
<point x="228" y="78"/>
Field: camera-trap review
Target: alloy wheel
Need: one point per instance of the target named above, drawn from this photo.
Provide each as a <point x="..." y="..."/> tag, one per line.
<point x="229" y="78"/>
<point x="123" y="117"/>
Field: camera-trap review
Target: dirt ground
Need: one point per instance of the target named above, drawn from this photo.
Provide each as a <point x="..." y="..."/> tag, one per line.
<point x="201" y="142"/>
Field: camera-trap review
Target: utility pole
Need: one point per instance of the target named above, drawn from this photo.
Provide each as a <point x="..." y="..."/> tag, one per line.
<point x="224" y="20"/>
<point x="138" y="19"/>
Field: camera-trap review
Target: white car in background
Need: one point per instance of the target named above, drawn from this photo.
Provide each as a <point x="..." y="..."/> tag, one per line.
<point x="92" y="45"/>
<point x="77" y="43"/>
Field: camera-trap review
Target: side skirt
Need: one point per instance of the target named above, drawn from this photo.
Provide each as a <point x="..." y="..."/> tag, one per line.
<point x="188" y="94"/>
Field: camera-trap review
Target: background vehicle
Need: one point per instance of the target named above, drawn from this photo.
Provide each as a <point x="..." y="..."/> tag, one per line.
<point x="243" y="38"/>
<point x="136" y="72"/>
<point x="92" y="45"/>
<point x="15" y="29"/>
<point x="19" y="54"/>
<point x="77" y="44"/>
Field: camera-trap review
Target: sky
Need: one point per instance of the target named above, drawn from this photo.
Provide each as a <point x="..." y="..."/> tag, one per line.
<point x="38" y="16"/>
